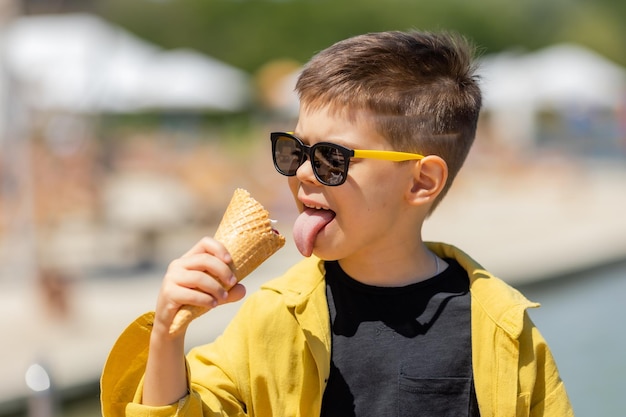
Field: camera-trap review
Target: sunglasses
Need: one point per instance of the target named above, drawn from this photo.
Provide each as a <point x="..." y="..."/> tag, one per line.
<point x="330" y="161"/>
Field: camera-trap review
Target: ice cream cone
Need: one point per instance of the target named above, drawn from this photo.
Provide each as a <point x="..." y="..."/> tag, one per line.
<point x="246" y="231"/>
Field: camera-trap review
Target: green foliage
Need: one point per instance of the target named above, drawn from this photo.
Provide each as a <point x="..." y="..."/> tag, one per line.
<point x="249" y="33"/>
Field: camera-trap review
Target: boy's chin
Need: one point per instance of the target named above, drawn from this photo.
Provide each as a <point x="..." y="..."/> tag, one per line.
<point x="326" y="254"/>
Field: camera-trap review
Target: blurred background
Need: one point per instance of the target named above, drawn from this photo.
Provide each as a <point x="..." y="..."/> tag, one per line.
<point x="125" y="126"/>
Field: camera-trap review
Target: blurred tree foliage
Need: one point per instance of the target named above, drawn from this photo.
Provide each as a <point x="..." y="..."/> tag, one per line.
<point x="249" y="33"/>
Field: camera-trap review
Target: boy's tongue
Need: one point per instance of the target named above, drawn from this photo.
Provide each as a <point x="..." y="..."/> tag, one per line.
<point x="307" y="226"/>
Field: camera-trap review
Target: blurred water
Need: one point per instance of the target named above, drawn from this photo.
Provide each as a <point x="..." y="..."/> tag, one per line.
<point x="582" y="317"/>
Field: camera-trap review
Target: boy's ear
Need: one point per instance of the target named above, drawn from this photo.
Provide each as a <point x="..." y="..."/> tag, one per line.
<point x="429" y="177"/>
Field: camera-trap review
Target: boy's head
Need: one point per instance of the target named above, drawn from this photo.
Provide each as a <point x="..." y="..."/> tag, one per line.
<point x="421" y="89"/>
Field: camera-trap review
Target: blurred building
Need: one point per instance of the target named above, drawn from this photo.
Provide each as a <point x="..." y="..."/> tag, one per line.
<point x="563" y="97"/>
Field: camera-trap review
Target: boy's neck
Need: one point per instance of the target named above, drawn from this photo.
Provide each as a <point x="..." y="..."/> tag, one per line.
<point x="394" y="268"/>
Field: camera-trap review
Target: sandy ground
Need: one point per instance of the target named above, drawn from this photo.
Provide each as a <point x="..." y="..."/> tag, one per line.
<point x="545" y="222"/>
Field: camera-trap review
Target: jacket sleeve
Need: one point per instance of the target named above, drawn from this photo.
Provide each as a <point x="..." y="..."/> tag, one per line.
<point x="122" y="381"/>
<point x="548" y="395"/>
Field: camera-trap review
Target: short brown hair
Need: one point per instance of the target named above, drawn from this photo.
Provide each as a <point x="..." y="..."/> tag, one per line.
<point x="420" y="86"/>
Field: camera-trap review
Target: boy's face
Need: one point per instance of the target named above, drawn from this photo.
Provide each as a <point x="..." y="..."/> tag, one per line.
<point x="366" y="215"/>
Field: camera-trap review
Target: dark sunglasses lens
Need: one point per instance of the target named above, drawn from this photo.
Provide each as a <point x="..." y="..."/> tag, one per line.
<point x="330" y="164"/>
<point x="288" y="155"/>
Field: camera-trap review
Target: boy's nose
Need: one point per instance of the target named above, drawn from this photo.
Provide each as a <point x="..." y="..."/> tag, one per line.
<point x="304" y="173"/>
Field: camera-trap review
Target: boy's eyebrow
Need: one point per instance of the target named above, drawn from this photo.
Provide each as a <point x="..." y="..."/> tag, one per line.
<point x="307" y="139"/>
<point x="335" y="140"/>
<point x="301" y="137"/>
<point x="352" y="145"/>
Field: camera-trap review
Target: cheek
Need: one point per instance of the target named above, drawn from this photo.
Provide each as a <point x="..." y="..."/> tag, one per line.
<point x="381" y="176"/>
<point x="386" y="185"/>
<point x="294" y="185"/>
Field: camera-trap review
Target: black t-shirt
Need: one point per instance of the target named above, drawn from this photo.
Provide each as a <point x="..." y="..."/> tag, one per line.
<point x="400" y="351"/>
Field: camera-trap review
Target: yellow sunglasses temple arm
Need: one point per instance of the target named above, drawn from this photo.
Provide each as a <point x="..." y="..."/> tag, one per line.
<point x="386" y="155"/>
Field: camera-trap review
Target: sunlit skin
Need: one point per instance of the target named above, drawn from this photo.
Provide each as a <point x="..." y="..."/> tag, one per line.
<point x="379" y="209"/>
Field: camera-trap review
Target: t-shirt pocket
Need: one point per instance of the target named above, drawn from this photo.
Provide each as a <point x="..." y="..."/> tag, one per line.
<point x="436" y="397"/>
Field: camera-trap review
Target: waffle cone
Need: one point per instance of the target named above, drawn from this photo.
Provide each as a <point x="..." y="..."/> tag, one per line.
<point x="246" y="231"/>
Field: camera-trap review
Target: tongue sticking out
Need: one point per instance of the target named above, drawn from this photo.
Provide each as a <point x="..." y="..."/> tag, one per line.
<point x="307" y="226"/>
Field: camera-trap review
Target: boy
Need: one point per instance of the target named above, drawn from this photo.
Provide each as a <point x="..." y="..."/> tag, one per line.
<point x="374" y="322"/>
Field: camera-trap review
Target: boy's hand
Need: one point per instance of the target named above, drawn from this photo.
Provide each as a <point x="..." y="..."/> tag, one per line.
<point x="200" y="277"/>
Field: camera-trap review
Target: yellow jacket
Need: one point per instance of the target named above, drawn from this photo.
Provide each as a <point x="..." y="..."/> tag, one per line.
<point x="273" y="359"/>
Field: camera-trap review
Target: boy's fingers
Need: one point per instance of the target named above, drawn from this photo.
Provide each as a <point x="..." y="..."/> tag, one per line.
<point x="216" y="296"/>
<point x="210" y="246"/>
<point x="200" y="282"/>
<point x="192" y="296"/>
<point x="209" y="265"/>
<point x="236" y="293"/>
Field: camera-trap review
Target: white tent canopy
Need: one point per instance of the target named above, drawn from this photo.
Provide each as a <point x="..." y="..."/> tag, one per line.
<point x="81" y="63"/>
<point x="559" y="76"/>
<point x="564" y="78"/>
